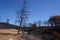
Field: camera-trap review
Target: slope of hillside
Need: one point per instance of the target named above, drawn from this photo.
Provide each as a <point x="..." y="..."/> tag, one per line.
<point x="7" y="26"/>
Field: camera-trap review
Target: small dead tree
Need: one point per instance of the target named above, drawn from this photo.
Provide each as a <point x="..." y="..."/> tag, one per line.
<point x="7" y="20"/>
<point x="39" y="23"/>
<point x="0" y="18"/>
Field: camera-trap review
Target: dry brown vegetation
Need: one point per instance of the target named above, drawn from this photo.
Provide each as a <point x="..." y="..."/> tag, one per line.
<point x="11" y="34"/>
<point x="11" y="31"/>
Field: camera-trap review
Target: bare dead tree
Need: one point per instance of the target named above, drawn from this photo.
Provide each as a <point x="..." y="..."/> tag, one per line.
<point x="7" y="20"/>
<point x="39" y="23"/>
<point x="0" y="18"/>
<point x="22" y="15"/>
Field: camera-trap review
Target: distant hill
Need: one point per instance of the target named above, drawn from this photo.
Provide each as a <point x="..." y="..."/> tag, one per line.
<point x="7" y="26"/>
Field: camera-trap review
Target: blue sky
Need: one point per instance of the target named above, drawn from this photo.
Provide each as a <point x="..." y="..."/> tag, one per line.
<point x="38" y="9"/>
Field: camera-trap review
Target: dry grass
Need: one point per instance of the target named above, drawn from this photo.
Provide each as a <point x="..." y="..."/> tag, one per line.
<point x="9" y="31"/>
<point x="5" y="34"/>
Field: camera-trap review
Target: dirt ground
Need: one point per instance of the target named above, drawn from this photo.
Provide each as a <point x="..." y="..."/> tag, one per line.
<point x="11" y="31"/>
<point x="11" y="34"/>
